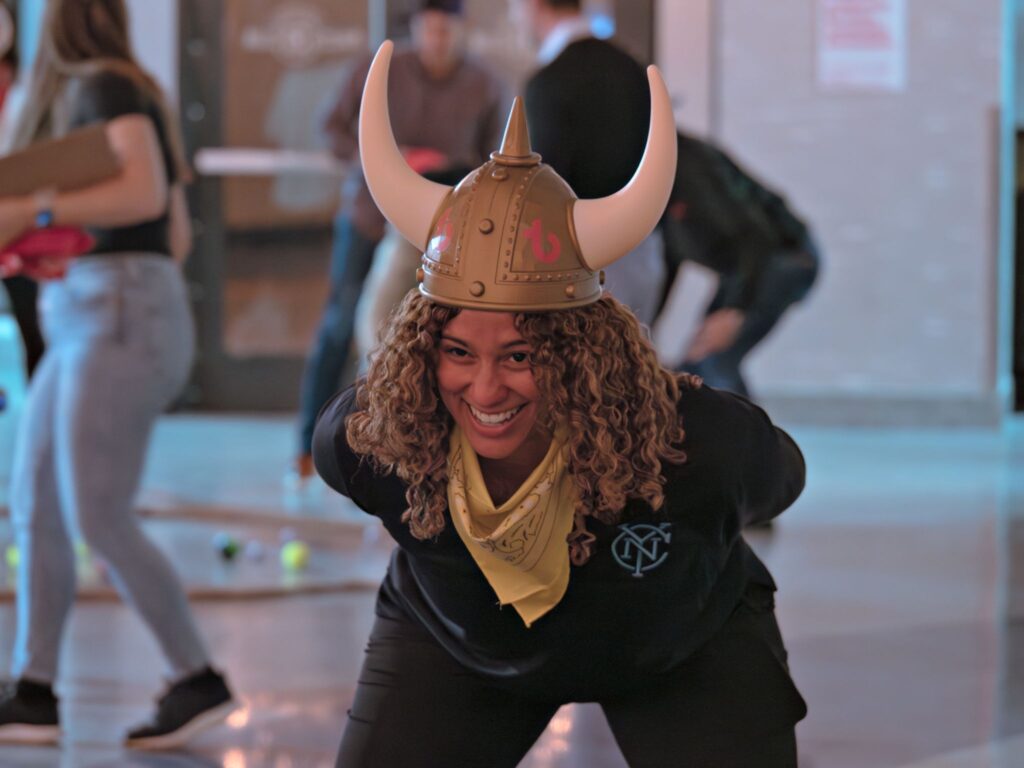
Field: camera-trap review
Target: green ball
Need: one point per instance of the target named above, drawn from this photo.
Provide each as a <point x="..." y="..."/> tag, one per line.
<point x="13" y="556"/>
<point x="295" y="555"/>
<point x="227" y="545"/>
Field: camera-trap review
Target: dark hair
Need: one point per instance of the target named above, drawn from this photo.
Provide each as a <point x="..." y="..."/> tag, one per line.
<point x="446" y="6"/>
<point x="566" y="4"/>
<point x="10" y="56"/>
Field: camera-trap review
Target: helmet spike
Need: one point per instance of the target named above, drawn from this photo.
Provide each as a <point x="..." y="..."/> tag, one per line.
<point x="515" y="147"/>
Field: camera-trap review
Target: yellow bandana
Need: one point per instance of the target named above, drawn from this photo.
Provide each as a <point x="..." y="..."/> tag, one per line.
<point x="521" y="545"/>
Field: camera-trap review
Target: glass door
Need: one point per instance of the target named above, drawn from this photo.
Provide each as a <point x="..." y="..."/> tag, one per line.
<point x="256" y="79"/>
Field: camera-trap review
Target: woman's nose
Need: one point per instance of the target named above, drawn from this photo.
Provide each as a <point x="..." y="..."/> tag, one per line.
<point x="488" y="388"/>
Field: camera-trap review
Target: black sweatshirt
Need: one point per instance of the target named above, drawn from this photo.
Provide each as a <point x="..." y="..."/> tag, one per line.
<point x="658" y="585"/>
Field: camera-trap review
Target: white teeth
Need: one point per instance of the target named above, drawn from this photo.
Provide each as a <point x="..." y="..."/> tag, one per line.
<point x="494" y="419"/>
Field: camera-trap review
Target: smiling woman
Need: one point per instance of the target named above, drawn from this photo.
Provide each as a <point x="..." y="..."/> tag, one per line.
<point x="520" y="441"/>
<point x="488" y="387"/>
<point x="506" y="380"/>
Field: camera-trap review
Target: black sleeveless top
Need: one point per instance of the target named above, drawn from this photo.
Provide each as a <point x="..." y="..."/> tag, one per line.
<point x="101" y="98"/>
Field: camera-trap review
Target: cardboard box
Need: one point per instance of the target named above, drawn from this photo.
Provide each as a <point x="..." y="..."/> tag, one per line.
<point x="80" y="159"/>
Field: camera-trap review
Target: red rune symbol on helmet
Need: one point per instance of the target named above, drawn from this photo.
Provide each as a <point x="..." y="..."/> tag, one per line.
<point x="442" y="237"/>
<point x="535" y="234"/>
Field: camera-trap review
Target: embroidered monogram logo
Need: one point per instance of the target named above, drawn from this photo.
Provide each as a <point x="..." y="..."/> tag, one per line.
<point x="641" y="547"/>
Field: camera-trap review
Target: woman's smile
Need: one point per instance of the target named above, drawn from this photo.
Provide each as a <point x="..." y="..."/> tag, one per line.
<point x="486" y="380"/>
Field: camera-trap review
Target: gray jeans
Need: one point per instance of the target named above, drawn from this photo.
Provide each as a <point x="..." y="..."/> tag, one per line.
<point x="119" y="347"/>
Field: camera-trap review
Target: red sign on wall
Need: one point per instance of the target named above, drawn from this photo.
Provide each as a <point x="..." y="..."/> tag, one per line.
<point x="862" y="44"/>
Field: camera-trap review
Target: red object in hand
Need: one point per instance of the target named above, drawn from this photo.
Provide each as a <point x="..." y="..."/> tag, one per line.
<point x="425" y="159"/>
<point x="44" y="254"/>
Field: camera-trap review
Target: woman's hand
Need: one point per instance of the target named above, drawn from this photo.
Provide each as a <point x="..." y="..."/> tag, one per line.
<point x="16" y="217"/>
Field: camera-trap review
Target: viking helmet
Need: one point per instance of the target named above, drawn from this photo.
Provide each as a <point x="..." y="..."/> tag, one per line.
<point x="512" y="236"/>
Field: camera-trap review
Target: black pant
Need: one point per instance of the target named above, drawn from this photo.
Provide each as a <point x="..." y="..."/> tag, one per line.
<point x="731" y="705"/>
<point x="23" y="294"/>
<point x="784" y="281"/>
<point x="351" y="258"/>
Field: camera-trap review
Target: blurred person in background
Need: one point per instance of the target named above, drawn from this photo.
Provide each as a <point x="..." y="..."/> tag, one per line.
<point x="447" y="111"/>
<point x="23" y="291"/>
<point x="721" y="217"/>
<point x="593" y="146"/>
<point x="392" y="275"/>
<point x="120" y="345"/>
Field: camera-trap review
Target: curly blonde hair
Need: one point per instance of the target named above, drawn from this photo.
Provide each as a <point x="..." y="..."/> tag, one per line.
<point x="593" y="365"/>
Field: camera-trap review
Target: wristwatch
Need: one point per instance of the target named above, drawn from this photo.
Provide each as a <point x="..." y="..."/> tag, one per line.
<point x="44" y="200"/>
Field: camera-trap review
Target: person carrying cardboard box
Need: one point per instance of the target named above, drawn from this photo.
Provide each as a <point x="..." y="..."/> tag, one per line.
<point x="120" y="346"/>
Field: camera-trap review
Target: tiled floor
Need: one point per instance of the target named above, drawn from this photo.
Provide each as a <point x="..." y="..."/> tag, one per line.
<point x="901" y="574"/>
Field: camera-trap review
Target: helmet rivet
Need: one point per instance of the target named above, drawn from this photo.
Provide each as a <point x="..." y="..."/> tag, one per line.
<point x="420" y="274"/>
<point x="570" y="291"/>
<point x="487" y="226"/>
<point x="477" y="289"/>
<point x="499" y="174"/>
<point x="600" y="277"/>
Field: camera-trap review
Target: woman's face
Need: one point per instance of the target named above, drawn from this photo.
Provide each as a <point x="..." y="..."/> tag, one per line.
<point x="487" y="384"/>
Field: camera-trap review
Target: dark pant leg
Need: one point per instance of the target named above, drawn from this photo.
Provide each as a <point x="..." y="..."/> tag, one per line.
<point x="351" y="258"/>
<point x="730" y="705"/>
<point x="24" y="294"/>
<point x="785" y="280"/>
<point x="722" y="370"/>
<point x="416" y="707"/>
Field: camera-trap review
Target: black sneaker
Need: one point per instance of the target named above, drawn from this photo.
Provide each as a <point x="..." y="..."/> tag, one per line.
<point x="28" y="713"/>
<point x="190" y="705"/>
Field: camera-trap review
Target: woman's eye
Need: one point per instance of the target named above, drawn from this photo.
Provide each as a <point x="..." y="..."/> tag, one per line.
<point x="519" y="357"/>
<point x="456" y="352"/>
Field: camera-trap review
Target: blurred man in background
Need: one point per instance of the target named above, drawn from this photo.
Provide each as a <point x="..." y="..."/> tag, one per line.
<point x="447" y="111"/>
<point x="723" y="218"/>
<point x="594" y="148"/>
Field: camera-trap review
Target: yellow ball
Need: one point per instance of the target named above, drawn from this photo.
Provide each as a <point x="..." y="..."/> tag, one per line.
<point x="295" y="555"/>
<point x="13" y="556"/>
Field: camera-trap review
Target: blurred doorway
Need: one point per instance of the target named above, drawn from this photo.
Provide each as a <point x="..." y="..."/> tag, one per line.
<point x="255" y="77"/>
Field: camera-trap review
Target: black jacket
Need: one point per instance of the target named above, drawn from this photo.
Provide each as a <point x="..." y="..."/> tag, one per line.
<point x="589" y="112"/>
<point x="722" y="217"/>
<point x="657" y="587"/>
